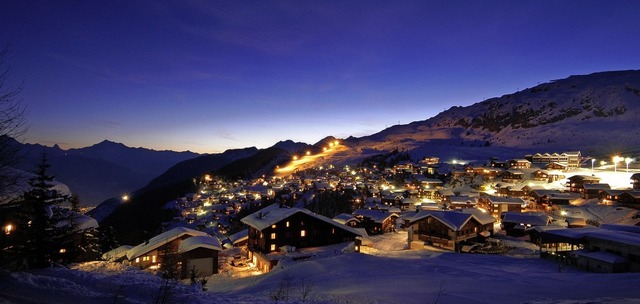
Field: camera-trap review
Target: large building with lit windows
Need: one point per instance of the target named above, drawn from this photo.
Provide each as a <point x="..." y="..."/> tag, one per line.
<point x="276" y="230"/>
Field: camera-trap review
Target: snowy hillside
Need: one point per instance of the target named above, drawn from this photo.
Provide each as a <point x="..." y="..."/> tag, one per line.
<point x="388" y="274"/>
<point x="594" y="113"/>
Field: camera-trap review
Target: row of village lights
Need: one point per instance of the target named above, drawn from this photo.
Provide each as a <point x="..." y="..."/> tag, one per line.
<point x="616" y="159"/>
<point x="325" y="149"/>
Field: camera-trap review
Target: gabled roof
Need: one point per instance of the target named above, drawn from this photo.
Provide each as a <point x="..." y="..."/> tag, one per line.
<point x="161" y="239"/>
<point x="596" y="186"/>
<point x="116" y="253"/>
<point x="377" y="216"/>
<point x="344" y="218"/>
<point x="239" y="236"/>
<point x="533" y="219"/>
<point x="272" y="214"/>
<point x="201" y="241"/>
<point x="455" y="220"/>
<point x="506" y="200"/>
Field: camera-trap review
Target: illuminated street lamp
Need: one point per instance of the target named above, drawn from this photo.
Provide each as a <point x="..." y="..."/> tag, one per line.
<point x="627" y="161"/>
<point x="615" y="160"/>
<point x="593" y="160"/>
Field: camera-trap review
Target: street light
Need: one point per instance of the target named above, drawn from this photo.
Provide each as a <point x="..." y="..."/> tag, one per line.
<point x="627" y="161"/>
<point x="593" y="160"/>
<point x="615" y="160"/>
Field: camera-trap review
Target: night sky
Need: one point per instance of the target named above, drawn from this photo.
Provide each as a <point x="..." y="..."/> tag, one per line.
<point x="207" y="76"/>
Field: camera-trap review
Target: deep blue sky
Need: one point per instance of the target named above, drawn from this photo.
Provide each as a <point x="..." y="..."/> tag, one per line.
<point x="211" y="75"/>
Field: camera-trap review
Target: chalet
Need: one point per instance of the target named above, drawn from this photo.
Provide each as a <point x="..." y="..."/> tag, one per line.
<point x="519" y="164"/>
<point x="410" y="203"/>
<point x="461" y="202"/>
<point x="556" y="166"/>
<point x="635" y="180"/>
<point x="199" y="253"/>
<point x="541" y="175"/>
<point x="511" y="176"/>
<point x="571" y="159"/>
<point x="577" y="182"/>
<point x="376" y="221"/>
<point x="431" y="160"/>
<point x="593" y="190"/>
<point x="497" y="205"/>
<point x="498" y="164"/>
<point x="630" y="197"/>
<point x="612" y="248"/>
<point x="449" y="229"/>
<point x="347" y="219"/>
<point x="443" y="195"/>
<point x="118" y="254"/>
<point x="609" y="196"/>
<point x="515" y="223"/>
<point x="239" y="239"/>
<point x="275" y="227"/>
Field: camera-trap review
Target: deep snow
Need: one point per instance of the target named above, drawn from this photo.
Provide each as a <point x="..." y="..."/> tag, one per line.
<point x="387" y="274"/>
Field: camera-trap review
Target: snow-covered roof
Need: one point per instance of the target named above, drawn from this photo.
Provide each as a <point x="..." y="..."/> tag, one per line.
<point x="239" y="236"/>
<point x="452" y="219"/>
<point x="601" y="256"/>
<point x="377" y="216"/>
<point x="116" y="253"/>
<point x="533" y="219"/>
<point x="272" y="214"/>
<point x="201" y="241"/>
<point x="162" y="239"/>
<point x="506" y="200"/>
<point x="344" y="218"/>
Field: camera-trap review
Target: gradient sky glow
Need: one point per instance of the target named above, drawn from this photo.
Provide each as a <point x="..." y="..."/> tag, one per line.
<point x="207" y="76"/>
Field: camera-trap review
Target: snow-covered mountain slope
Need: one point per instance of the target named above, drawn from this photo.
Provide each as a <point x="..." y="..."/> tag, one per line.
<point x="596" y="113"/>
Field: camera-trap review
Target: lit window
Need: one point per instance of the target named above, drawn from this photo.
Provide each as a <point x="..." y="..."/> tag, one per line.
<point x="273" y="236"/>
<point x="287" y="224"/>
<point x="63" y="250"/>
<point x="153" y="259"/>
<point x="303" y="233"/>
<point x="273" y="226"/>
<point x="145" y="258"/>
<point x="8" y="229"/>
<point x="137" y="260"/>
<point x="273" y="247"/>
<point x="333" y="230"/>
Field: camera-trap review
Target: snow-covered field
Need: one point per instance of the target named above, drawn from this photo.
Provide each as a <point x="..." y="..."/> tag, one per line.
<point x="388" y="274"/>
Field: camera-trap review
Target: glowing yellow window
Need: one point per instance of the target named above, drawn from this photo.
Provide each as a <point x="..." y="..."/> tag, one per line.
<point x="153" y="259"/>
<point x="273" y="236"/>
<point x="287" y="224"/>
<point x="273" y="226"/>
<point x="273" y="247"/>
<point x="303" y="233"/>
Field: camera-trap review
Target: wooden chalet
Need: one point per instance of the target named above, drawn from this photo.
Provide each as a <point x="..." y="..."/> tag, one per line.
<point x="594" y="190"/>
<point x="497" y="205"/>
<point x="347" y="219"/>
<point x="610" y="248"/>
<point x="635" y="181"/>
<point x="192" y="249"/>
<point x="376" y="221"/>
<point x="577" y="182"/>
<point x="519" y="164"/>
<point x="462" y="202"/>
<point x="630" y="197"/>
<point x="511" y="176"/>
<point x="449" y="229"/>
<point x="275" y="227"/>
<point x="515" y="223"/>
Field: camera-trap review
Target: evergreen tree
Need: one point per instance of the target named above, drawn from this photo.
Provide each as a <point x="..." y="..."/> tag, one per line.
<point x="47" y="224"/>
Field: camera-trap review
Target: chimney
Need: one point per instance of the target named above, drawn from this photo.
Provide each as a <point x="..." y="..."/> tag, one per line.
<point x="260" y="215"/>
